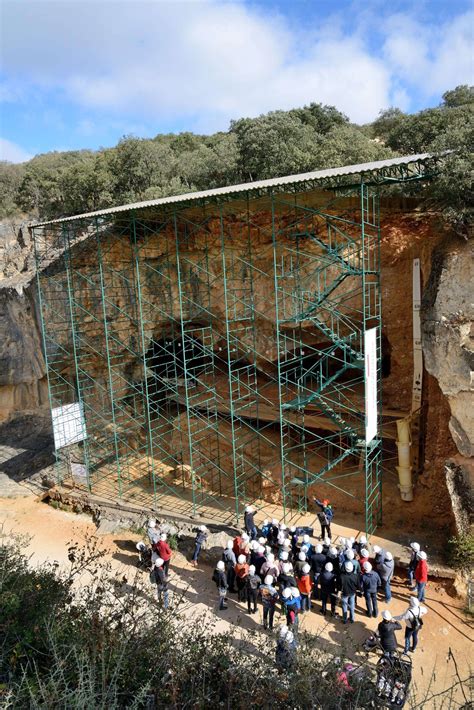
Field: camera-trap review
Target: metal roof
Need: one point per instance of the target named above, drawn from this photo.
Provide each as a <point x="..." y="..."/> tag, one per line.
<point x="318" y="176"/>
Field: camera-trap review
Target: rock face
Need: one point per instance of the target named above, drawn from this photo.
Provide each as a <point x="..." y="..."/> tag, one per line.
<point x="22" y="368"/>
<point x="448" y="336"/>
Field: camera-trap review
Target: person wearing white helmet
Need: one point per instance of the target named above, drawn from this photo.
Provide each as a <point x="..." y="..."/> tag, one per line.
<point x="318" y="560"/>
<point x="230" y="560"/>
<point x="349" y="586"/>
<point x="266" y="527"/>
<point x="379" y="554"/>
<point x="414" y="550"/>
<point x="385" y="568"/>
<point x="360" y="544"/>
<point x="164" y="551"/>
<point x="220" y="579"/>
<point x="421" y="575"/>
<point x="328" y="586"/>
<point x="300" y="563"/>
<point x="152" y="532"/>
<point x="285" y="654"/>
<point x="386" y="630"/>
<point x="252" y="583"/>
<point x="199" y="542"/>
<point x="160" y="578"/>
<point x="269" y="596"/>
<point x="293" y="540"/>
<point x="369" y="583"/>
<point x="274" y="530"/>
<point x="259" y="559"/>
<point x="241" y="572"/>
<point x="283" y="556"/>
<point x="270" y="566"/>
<point x="305" y="586"/>
<point x="363" y="557"/>
<point x="414" y="622"/>
<point x="291" y="599"/>
<point x="249" y="522"/>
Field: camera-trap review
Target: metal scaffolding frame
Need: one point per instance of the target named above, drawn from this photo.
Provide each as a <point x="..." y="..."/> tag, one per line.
<point x="187" y="406"/>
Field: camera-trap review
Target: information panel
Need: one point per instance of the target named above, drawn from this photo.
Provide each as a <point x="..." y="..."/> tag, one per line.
<point x="370" y="349"/>
<point x="69" y="425"/>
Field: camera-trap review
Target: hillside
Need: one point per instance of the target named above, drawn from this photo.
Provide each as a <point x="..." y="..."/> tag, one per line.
<point x="278" y="143"/>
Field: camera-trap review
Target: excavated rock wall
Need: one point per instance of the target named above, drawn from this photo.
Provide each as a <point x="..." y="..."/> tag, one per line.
<point x="446" y="265"/>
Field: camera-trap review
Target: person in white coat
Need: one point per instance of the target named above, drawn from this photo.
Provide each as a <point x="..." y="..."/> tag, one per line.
<point x="413" y="620"/>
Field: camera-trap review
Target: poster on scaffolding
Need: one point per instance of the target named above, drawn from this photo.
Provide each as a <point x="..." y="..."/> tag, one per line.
<point x="69" y="425"/>
<point x="370" y="350"/>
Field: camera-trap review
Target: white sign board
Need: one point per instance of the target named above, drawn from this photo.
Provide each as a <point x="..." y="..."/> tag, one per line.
<point x="78" y="472"/>
<point x="69" y="425"/>
<point x="370" y="350"/>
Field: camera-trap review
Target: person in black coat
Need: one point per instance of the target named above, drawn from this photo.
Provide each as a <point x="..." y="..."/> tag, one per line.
<point x="249" y="522"/>
<point x="158" y="576"/>
<point x="220" y="579"/>
<point x="199" y="541"/>
<point x="317" y="560"/>
<point x="386" y="630"/>
<point x="328" y="585"/>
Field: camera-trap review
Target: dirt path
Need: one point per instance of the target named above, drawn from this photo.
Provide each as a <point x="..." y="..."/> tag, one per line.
<point x="446" y="627"/>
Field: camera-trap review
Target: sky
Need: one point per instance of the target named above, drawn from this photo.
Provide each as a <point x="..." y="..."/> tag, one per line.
<point x="82" y="73"/>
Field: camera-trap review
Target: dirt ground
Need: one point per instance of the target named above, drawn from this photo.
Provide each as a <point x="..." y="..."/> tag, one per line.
<point x="446" y="632"/>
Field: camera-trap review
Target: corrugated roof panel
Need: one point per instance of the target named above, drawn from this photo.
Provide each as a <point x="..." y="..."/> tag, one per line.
<point x="316" y="176"/>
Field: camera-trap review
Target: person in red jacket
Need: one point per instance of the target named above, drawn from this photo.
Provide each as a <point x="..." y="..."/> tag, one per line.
<point x="237" y="544"/>
<point x="421" y="576"/>
<point x="305" y="585"/>
<point x="164" y="551"/>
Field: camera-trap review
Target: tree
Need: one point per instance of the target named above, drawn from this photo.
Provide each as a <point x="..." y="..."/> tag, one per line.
<point x="460" y="96"/>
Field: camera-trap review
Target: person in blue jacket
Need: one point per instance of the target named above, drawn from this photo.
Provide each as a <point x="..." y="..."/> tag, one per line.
<point x="369" y="583"/>
<point x="291" y="599"/>
<point x="325" y="517"/>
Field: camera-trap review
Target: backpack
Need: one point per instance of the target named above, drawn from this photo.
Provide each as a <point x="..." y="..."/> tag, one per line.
<point x="417" y="621"/>
<point x="323" y="518"/>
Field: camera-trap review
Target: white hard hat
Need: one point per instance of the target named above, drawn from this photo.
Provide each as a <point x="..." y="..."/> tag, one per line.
<point x="253" y="545"/>
<point x="262" y="540"/>
<point x="152" y="523"/>
<point x="301" y="556"/>
<point x="261" y="549"/>
<point x="388" y="556"/>
<point x="286" y="543"/>
<point x="362" y="540"/>
<point x="270" y="557"/>
<point x="350" y="554"/>
<point x="230" y="544"/>
<point x="415" y="546"/>
<point x="268" y="579"/>
<point x="287" y="568"/>
<point x="305" y="538"/>
<point x="306" y="569"/>
<point x="292" y="529"/>
<point x="202" y="528"/>
<point x="364" y="553"/>
<point x="220" y="565"/>
<point x="351" y="540"/>
<point x="295" y="592"/>
<point x="328" y="567"/>
<point x="274" y="521"/>
<point x="265" y="522"/>
<point x="414" y="602"/>
<point x="282" y="526"/>
<point x="159" y="562"/>
<point x="289" y="637"/>
<point x="349" y="567"/>
<point x="241" y="559"/>
<point x="319" y="549"/>
<point x="377" y="549"/>
<point x="286" y="594"/>
<point x="284" y="555"/>
<point x="343" y="540"/>
<point x="140" y="546"/>
<point x="386" y="615"/>
<point x="332" y="551"/>
<point x="422" y="555"/>
<point x="252" y="569"/>
<point x="245" y="537"/>
<point x="367" y="567"/>
<point x="163" y="536"/>
<point x="283" y="631"/>
<point x="327" y="541"/>
<point x="248" y="509"/>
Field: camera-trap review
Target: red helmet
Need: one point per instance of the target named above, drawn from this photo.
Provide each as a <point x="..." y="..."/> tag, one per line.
<point x="325" y="501"/>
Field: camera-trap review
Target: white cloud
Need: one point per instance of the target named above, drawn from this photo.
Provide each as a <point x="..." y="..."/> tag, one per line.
<point x="205" y="62"/>
<point x="13" y="152"/>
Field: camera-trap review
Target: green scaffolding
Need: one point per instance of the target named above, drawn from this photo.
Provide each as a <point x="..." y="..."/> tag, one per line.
<point x="158" y="345"/>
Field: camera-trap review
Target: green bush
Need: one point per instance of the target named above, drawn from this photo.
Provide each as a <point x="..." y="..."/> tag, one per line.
<point x="461" y="552"/>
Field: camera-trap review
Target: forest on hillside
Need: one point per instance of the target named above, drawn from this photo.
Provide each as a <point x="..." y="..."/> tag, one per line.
<point x="278" y="143"/>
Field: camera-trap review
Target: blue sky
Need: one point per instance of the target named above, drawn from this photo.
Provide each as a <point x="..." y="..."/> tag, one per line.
<point x="82" y="73"/>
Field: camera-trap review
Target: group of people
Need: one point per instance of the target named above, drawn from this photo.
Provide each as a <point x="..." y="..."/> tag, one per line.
<point x="278" y="565"/>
